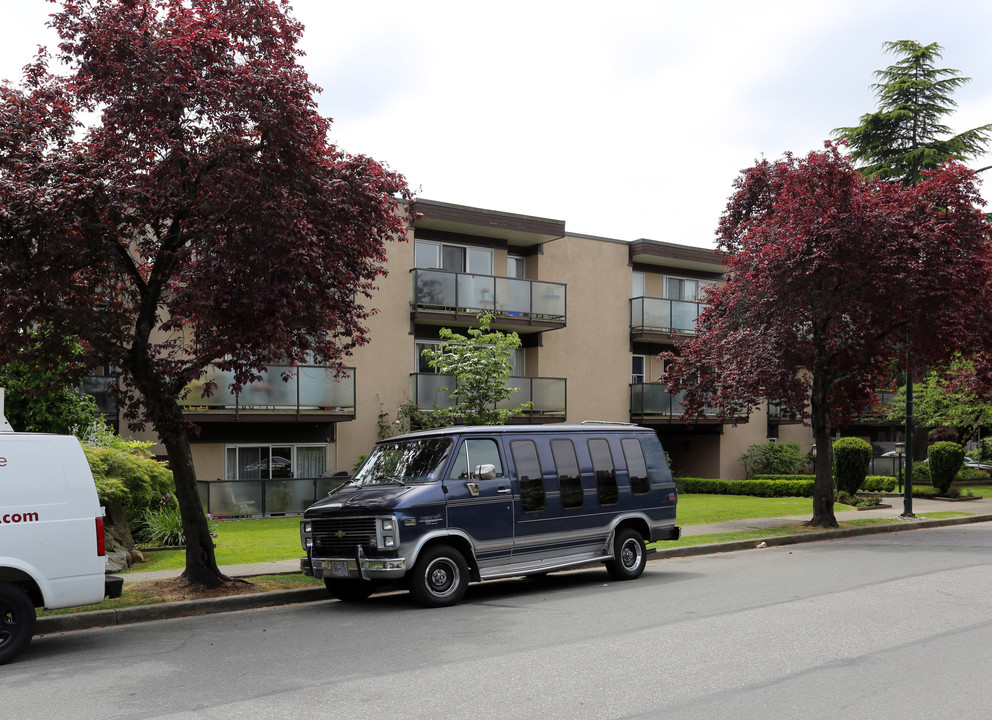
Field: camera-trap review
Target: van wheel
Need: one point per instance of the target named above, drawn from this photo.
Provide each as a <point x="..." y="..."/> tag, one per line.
<point x="440" y="576"/>
<point x="17" y="621"/>
<point x="349" y="590"/>
<point x="629" y="555"/>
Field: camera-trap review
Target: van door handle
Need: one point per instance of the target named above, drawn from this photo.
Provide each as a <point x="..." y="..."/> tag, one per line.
<point x="504" y="491"/>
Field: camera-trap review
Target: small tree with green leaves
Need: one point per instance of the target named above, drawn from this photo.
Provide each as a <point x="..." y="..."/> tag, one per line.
<point x="480" y="365"/>
<point x="852" y="459"/>
<point x="945" y="459"/>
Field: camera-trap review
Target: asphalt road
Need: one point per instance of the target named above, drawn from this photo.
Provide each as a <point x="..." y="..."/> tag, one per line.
<point x="885" y="626"/>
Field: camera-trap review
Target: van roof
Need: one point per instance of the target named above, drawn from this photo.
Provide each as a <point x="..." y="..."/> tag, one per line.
<point x="587" y="427"/>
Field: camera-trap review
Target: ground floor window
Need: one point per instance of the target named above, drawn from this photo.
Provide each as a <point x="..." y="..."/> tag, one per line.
<point x="267" y="462"/>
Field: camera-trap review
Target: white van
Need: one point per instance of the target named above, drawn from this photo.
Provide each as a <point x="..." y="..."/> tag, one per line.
<point x="51" y="532"/>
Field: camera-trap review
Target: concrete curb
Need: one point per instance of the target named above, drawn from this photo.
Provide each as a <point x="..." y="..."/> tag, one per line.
<point x="165" y="611"/>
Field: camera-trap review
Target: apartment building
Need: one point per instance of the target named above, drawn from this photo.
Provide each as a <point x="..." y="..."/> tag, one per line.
<point x="593" y="314"/>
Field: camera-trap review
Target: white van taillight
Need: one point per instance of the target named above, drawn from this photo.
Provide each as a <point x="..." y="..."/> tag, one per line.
<point x="101" y="542"/>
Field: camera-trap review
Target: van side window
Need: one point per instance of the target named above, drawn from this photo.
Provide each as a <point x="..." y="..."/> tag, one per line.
<point x="475" y="452"/>
<point x="637" y="467"/>
<point x="567" y="469"/>
<point x="606" y="476"/>
<point x="532" y="496"/>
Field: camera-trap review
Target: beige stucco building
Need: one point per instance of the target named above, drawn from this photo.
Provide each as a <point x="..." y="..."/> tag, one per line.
<point x="593" y="314"/>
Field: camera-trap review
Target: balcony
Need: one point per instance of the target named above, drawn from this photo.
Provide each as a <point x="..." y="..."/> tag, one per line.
<point x="651" y="402"/>
<point x="657" y="319"/>
<point x="311" y="392"/>
<point x="546" y="394"/>
<point x="440" y="297"/>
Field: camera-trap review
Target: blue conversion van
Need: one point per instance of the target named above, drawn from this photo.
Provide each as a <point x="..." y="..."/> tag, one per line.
<point x="432" y="510"/>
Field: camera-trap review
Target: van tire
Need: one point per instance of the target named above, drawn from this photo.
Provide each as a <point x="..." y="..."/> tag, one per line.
<point x="439" y="577"/>
<point x="17" y="621"/>
<point x="349" y="590"/>
<point x="629" y="555"/>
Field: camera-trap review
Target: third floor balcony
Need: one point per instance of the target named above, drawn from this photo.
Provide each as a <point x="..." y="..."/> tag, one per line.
<point x="440" y="297"/>
<point x="657" y="319"/>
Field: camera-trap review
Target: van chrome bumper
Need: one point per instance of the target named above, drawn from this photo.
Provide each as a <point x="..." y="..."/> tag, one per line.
<point x="362" y="568"/>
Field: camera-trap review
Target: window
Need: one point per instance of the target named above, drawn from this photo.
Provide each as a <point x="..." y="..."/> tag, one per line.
<point x="472" y="454"/>
<point x="421" y="361"/>
<point x="637" y="467"/>
<point x="567" y="469"/>
<point x="531" y="479"/>
<point x="457" y="258"/>
<point x="685" y="289"/>
<point x="637" y="369"/>
<point x="267" y="462"/>
<point x="637" y="290"/>
<point x="606" y="476"/>
<point x="515" y="267"/>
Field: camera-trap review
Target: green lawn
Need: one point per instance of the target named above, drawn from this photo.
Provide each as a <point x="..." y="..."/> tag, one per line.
<point x="240" y="542"/>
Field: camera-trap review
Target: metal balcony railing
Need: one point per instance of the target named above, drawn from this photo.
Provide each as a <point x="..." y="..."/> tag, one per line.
<point x="548" y="395"/>
<point x="652" y="401"/>
<point x="309" y="390"/>
<point x="233" y="498"/>
<point x="659" y="316"/>
<point x="468" y="293"/>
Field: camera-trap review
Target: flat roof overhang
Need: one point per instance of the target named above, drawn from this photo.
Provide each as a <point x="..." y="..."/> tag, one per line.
<point x="517" y="230"/>
<point x="655" y="252"/>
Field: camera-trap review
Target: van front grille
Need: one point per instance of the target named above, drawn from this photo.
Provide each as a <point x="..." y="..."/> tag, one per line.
<point x="337" y="537"/>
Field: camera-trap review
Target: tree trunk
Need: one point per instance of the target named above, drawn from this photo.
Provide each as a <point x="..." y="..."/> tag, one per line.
<point x="823" y="487"/>
<point x="201" y="563"/>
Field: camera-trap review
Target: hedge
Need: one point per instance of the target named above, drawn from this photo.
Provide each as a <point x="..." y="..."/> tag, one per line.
<point x="756" y="488"/>
<point x="872" y="483"/>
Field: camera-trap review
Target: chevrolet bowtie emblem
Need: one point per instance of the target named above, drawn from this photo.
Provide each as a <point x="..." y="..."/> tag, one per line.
<point x="339" y="534"/>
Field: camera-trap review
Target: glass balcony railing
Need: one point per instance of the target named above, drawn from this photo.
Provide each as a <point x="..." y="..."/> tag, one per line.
<point x="658" y="315"/>
<point x="309" y="389"/>
<point x="443" y="291"/>
<point x="653" y="401"/>
<point x="546" y="394"/>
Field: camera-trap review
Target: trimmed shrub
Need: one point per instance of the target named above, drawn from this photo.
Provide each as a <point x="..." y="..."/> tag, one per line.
<point x="945" y="459"/>
<point x="773" y="458"/>
<point x="852" y="458"/>
<point x="879" y="484"/>
<point x="968" y="474"/>
<point x="779" y="478"/>
<point x="755" y="488"/>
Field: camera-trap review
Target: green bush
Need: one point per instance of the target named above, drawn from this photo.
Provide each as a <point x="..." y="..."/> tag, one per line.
<point x="985" y="453"/>
<point x="163" y="525"/>
<point x="852" y="458"/>
<point x="967" y="474"/>
<point x="921" y="471"/>
<point x="756" y="488"/>
<point x="778" y="458"/>
<point x="784" y="477"/>
<point x="945" y="459"/>
<point x="879" y="484"/>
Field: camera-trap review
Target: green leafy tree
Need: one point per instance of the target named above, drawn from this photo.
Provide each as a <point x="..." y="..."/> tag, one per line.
<point x="480" y="364"/>
<point x="40" y="386"/>
<point x="946" y="399"/>
<point x="906" y="136"/>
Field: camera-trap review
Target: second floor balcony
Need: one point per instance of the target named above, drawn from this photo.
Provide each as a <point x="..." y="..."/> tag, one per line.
<point x="547" y="395"/>
<point x="441" y="296"/>
<point x="657" y="319"/>
<point x="311" y="392"/>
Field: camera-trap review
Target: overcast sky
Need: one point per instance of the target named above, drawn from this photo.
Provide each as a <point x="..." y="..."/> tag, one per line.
<point x="627" y="120"/>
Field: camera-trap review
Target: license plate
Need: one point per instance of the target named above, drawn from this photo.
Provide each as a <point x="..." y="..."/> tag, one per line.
<point x="338" y="569"/>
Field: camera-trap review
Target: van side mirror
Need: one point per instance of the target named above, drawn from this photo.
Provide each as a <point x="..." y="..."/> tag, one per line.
<point x="484" y="472"/>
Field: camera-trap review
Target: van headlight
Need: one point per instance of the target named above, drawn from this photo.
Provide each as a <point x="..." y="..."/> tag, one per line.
<point x="306" y="534"/>
<point x="386" y="534"/>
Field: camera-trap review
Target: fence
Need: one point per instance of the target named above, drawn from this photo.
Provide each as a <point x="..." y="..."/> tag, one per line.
<point x="225" y="498"/>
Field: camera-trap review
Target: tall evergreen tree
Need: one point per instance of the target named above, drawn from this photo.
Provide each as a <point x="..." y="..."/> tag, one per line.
<point x="906" y="136"/>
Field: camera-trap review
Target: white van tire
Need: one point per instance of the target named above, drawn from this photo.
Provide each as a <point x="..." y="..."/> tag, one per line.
<point x="17" y="621"/>
<point x="629" y="555"/>
<point x="439" y="577"/>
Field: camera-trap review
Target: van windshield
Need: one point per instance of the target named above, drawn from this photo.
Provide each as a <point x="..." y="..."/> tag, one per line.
<point x="400" y="463"/>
